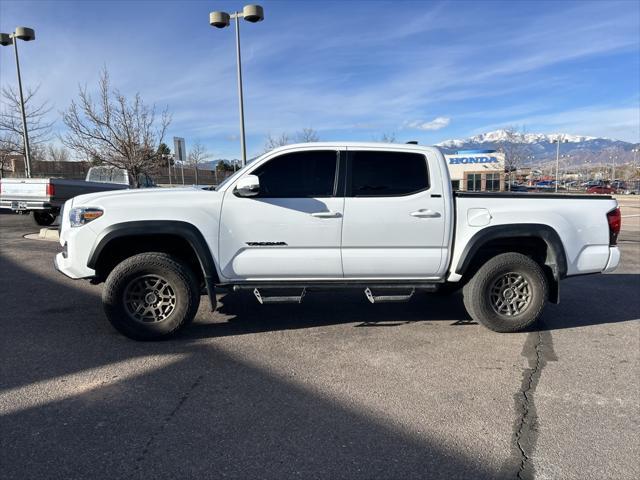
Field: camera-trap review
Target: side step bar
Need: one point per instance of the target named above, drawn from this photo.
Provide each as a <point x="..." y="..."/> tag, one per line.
<point x="388" y="298"/>
<point x="279" y="299"/>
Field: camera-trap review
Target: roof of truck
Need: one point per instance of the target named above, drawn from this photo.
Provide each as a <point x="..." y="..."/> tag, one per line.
<point x="395" y="146"/>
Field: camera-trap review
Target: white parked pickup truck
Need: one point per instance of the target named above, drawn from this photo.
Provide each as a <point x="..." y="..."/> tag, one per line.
<point x="45" y="196"/>
<point x="378" y="217"/>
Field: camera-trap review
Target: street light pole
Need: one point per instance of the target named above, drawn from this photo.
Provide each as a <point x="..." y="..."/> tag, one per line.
<point x="557" y="162"/>
<point x="613" y="159"/>
<point x="243" y="148"/>
<point x="25" y="133"/>
<point x="558" y="140"/>
<point x="26" y="34"/>
<point x="253" y="14"/>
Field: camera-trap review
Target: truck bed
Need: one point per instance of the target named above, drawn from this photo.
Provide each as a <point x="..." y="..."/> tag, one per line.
<point x="580" y="222"/>
<point x="43" y="193"/>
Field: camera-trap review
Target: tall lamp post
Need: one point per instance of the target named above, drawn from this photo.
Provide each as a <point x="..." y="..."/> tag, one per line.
<point x="565" y="160"/>
<point x="253" y="14"/>
<point x="613" y="159"/>
<point x="26" y="34"/>
<point x="559" y="139"/>
<point x="635" y="157"/>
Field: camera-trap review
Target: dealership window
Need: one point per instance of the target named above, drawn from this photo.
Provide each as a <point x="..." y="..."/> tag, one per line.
<point x="383" y="174"/>
<point x="493" y="182"/>
<point x="474" y="182"/>
<point x="455" y="185"/>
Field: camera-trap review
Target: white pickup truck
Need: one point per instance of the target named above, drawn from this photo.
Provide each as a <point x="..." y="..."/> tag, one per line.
<point x="378" y="217"/>
<point x="45" y="196"/>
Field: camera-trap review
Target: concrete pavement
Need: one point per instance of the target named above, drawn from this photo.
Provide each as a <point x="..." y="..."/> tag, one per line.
<point x="332" y="388"/>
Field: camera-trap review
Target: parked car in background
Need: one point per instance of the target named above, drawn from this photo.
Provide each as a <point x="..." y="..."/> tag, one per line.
<point x="619" y="185"/>
<point x="45" y="196"/>
<point x="381" y="218"/>
<point x="602" y="189"/>
<point x="592" y="183"/>
<point x="518" y="188"/>
<point x="545" y="184"/>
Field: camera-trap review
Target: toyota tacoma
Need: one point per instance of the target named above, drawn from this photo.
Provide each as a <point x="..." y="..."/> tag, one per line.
<point x="377" y="217"/>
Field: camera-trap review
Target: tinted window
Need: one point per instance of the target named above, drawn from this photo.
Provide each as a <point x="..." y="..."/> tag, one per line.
<point x="298" y="175"/>
<point x="383" y="174"/>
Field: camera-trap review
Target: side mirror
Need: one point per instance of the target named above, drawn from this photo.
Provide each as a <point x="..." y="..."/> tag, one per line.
<point x="248" y="186"/>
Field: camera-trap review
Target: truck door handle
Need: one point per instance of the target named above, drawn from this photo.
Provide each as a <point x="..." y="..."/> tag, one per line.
<point x="424" y="213"/>
<point x="328" y="214"/>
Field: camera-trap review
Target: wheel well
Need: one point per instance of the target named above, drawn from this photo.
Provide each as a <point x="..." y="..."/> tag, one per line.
<point x="126" y="246"/>
<point x="535" y="248"/>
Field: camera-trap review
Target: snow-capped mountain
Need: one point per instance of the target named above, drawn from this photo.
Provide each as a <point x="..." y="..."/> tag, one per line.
<point x="500" y="136"/>
<point x="575" y="148"/>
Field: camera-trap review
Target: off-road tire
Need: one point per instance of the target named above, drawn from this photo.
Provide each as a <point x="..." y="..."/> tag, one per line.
<point x="44" y="218"/>
<point x="478" y="292"/>
<point x="177" y="275"/>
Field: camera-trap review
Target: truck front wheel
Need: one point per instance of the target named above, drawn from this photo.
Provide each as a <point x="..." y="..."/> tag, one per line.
<point x="507" y="294"/>
<point x="45" y="218"/>
<point x="150" y="296"/>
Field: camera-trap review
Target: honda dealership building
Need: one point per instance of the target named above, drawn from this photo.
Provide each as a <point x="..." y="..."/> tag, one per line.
<point x="476" y="170"/>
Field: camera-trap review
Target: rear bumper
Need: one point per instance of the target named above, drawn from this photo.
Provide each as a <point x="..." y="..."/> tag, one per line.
<point x="614" y="260"/>
<point x="31" y="204"/>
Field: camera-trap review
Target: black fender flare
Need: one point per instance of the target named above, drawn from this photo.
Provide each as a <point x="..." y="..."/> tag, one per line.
<point x="556" y="256"/>
<point x="186" y="230"/>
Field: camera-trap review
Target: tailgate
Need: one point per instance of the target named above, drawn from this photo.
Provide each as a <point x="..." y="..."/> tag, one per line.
<point x="24" y="188"/>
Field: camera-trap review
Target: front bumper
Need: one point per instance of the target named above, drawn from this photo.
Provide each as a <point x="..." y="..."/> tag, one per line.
<point x="76" y="244"/>
<point x="71" y="270"/>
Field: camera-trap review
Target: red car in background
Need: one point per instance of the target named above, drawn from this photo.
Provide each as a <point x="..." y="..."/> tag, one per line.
<point x="602" y="189"/>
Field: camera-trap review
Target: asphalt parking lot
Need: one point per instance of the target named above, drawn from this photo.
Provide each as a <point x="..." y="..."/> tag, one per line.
<point x="332" y="388"/>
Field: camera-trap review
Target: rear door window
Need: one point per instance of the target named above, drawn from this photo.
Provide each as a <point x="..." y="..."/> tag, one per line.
<point x="386" y="174"/>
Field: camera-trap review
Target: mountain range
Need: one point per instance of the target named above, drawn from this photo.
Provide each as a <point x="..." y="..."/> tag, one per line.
<point x="574" y="149"/>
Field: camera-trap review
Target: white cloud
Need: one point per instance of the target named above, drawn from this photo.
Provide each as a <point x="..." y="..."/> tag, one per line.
<point x="435" y="124"/>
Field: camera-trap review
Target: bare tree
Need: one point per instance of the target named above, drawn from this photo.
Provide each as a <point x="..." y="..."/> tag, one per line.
<point x="197" y="155"/>
<point x="515" y="150"/>
<point x="388" y="137"/>
<point x="38" y="127"/>
<point x="57" y="153"/>
<point x="307" y="135"/>
<point x="275" y="142"/>
<point x="303" y="136"/>
<point x="116" y="131"/>
<point x="9" y="145"/>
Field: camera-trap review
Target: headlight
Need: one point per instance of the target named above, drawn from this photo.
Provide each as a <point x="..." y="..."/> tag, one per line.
<point x="82" y="215"/>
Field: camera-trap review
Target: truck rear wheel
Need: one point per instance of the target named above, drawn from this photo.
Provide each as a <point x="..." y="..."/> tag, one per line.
<point x="45" y="218"/>
<point x="507" y="294"/>
<point x="150" y="296"/>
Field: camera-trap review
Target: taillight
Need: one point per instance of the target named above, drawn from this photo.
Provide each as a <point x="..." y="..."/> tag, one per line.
<point x="51" y="190"/>
<point x="614" y="218"/>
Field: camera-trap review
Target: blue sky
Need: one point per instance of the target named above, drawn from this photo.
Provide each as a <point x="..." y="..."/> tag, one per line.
<point x="425" y="71"/>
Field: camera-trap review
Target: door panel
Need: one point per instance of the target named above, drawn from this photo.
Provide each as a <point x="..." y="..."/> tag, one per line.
<point x="279" y="238"/>
<point x="397" y="235"/>
<point x="267" y="237"/>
